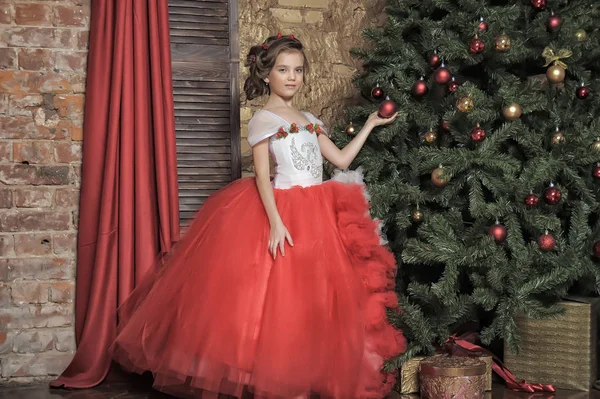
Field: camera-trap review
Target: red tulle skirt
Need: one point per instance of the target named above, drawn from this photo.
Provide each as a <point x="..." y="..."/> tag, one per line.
<point x="219" y="314"/>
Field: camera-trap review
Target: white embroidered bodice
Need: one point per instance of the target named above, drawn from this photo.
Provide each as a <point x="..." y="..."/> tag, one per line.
<point x="295" y="149"/>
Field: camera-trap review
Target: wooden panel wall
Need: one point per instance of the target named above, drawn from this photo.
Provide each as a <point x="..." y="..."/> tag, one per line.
<point x="205" y="60"/>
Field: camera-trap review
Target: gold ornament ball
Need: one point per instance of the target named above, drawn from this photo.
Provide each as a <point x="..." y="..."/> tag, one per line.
<point x="350" y="129"/>
<point x="555" y="74"/>
<point x="430" y="136"/>
<point x="440" y="177"/>
<point x="465" y="104"/>
<point x="595" y="147"/>
<point x="558" y="138"/>
<point x="581" y="35"/>
<point x="512" y="112"/>
<point x="503" y="43"/>
<point x="416" y="215"/>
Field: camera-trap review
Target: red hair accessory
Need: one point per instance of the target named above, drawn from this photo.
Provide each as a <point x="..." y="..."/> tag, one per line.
<point x="279" y="35"/>
<point x="253" y="58"/>
<point x="265" y="46"/>
<point x="292" y="37"/>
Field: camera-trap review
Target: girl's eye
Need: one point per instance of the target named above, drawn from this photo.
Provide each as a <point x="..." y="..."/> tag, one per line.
<point x="282" y="70"/>
<point x="299" y="70"/>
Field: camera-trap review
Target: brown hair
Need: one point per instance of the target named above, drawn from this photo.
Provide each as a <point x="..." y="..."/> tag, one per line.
<point x="261" y="59"/>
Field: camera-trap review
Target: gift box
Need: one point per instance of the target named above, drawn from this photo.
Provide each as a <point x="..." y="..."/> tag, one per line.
<point x="409" y="375"/>
<point x="409" y="372"/>
<point x="452" y="377"/>
<point x="488" y="360"/>
<point x="561" y="350"/>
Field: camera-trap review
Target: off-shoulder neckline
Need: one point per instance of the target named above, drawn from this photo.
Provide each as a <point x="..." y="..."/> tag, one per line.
<point x="286" y="121"/>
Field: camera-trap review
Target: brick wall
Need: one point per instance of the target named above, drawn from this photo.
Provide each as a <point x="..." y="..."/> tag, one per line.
<point x="42" y="78"/>
<point x="328" y="29"/>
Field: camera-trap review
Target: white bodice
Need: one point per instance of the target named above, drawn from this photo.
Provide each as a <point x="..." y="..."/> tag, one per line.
<point x="297" y="154"/>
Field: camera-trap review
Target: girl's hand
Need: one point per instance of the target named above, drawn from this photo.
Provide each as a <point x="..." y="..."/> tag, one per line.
<point x="279" y="233"/>
<point x="375" y="120"/>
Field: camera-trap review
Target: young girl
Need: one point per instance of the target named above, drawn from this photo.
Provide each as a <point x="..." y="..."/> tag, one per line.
<point x="280" y="287"/>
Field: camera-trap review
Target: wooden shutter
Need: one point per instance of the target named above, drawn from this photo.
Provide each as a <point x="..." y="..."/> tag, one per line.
<point x="205" y="58"/>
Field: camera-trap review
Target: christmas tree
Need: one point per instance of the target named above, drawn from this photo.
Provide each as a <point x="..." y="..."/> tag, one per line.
<point x="488" y="183"/>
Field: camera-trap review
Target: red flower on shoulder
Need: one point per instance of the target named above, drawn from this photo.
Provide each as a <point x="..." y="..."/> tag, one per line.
<point x="294" y="128"/>
<point x="310" y="128"/>
<point x="318" y="128"/>
<point x="281" y="130"/>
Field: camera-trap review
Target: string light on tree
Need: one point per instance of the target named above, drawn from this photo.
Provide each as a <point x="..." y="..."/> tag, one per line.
<point x="595" y="147"/>
<point x="377" y="92"/>
<point x="478" y="134"/>
<point x="582" y="92"/>
<point x="531" y="200"/>
<point x="442" y="75"/>
<point x="420" y="89"/>
<point x="552" y="195"/>
<point x="498" y="232"/>
<point x="546" y="242"/>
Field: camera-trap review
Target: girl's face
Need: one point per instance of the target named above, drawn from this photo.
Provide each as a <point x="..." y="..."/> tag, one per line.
<point x="287" y="76"/>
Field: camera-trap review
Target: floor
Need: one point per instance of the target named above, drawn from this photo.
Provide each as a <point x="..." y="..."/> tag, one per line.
<point x="137" y="390"/>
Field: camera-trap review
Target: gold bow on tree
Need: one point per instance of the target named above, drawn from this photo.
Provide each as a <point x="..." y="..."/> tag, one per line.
<point x="551" y="56"/>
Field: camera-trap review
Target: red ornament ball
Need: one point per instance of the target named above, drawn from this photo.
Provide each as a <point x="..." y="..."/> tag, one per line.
<point x="445" y="126"/>
<point x="452" y="86"/>
<point x="531" y="200"/>
<point x="483" y="26"/>
<point x="478" y="134"/>
<point x="435" y="60"/>
<point x="596" y="172"/>
<point x="552" y="195"/>
<point x="420" y="88"/>
<point x="442" y="75"/>
<point x="476" y="46"/>
<point x="596" y="250"/>
<point x="377" y="92"/>
<point x="554" y="23"/>
<point x="539" y="4"/>
<point x="387" y="108"/>
<point x="582" y="92"/>
<point x="497" y="231"/>
<point x="546" y="242"/>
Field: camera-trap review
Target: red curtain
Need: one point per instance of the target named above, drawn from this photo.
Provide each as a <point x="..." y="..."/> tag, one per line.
<point x="129" y="212"/>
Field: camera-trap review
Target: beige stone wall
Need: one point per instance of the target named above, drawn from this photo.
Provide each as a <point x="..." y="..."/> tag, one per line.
<point x="328" y="29"/>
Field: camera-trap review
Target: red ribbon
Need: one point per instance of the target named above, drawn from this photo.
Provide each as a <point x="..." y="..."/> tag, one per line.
<point x="464" y="344"/>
